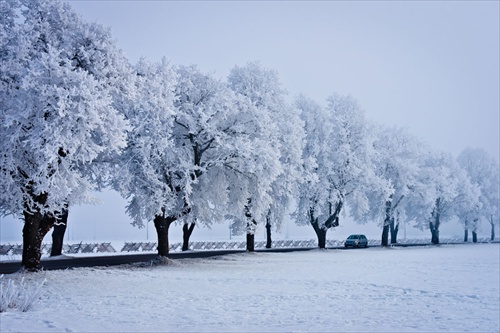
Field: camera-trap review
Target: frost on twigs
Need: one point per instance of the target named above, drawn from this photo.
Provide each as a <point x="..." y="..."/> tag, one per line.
<point x="20" y="295"/>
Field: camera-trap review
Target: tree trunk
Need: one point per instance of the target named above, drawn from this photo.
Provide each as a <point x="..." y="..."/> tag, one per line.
<point x="434" y="227"/>
<point x="434" y="223"/>
<point x="251" y="226"/>
<point x="333" y="219"/>
<point x="58" y="233"/>
<point x="387" y="222"/>
<point x="435" y="237"/>
<point x="385" y="235"/>
<point x="474" y="236"/>
<point x="250" y="242"/>
<point x="57" y="239"/>
<point x="492" y="229"/>
<point x="394" y="231"/>
<point x="187" y="230"/>
<point x="331" y="222"/>
<point x="322" y="238"/>
<point x="269" y="240"/>
<point x="36" y="226"/>
<point x="321" y="234"/>
<point x="162" y="224"/>
<point x="466" y="235"/>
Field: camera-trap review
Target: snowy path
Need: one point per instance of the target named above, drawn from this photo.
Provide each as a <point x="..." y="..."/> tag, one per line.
<point x="427" y="289"/>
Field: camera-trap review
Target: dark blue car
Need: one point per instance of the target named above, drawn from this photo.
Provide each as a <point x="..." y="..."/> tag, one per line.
<point x="356" y="241"/>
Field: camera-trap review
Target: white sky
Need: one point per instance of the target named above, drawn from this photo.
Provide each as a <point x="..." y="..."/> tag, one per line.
<point x="429" y="66"/>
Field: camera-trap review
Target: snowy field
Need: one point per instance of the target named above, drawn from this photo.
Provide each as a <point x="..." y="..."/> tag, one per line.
<point x="449" y="288"/>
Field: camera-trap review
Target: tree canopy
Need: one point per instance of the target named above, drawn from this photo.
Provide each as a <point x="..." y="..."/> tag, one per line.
<point x="59" y="79"/>
<point x="183" y="145"/>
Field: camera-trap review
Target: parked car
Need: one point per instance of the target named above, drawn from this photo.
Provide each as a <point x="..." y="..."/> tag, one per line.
<point x="356" y="241"/>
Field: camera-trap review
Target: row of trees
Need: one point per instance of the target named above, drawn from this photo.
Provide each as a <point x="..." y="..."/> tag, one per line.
<point x="185" y="147"/>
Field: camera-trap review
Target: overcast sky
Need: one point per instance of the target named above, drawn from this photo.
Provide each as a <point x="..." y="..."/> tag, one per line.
<point x="429" y="66"/>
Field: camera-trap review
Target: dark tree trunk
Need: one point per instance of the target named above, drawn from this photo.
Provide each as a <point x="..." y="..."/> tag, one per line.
<point x="58" y="234"/>
<point x="385" y="235"/>
<point x="250" y="242"/>
<point x="434" y="224"/>
<point x="466" y="235"/>
<point x="332" y="221"/>
<point x="387" y="222"/>
<point x="36" y="226"/>
<point x="321" y="234"/>
<point x="321" y="238"/>
<point x="474" y="231"/>
<point x="162" y="224"/>
<point x="434" y="227"/>
<point x="269" y="240"/>
<point x="435" y="237"/>
<point x="394" y="232"/>
<point x="187" y="230"/>
<point x="251" y="223"/>
<point x="492" y="229"/>
<point x="57" y="239"/>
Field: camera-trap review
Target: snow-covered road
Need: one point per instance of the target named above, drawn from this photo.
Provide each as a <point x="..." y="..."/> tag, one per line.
<point x="427" y="289"/>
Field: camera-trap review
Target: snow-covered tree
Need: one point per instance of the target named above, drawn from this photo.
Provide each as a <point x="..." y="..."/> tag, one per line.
<point x="397" y="160"/>
<point x="59" y="76"/>
<point x="337" y="159"/>
<point x="143" y="174"/>
<point x="263" y="87"/>
<point x="213" y="125"/>
<point x="443" y="189"/>
<point x="483" y="172"/>
<point x="192" y="153"/>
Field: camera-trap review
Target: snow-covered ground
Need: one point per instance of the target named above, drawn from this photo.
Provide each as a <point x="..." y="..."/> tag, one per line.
<point x="448" y="288"/>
